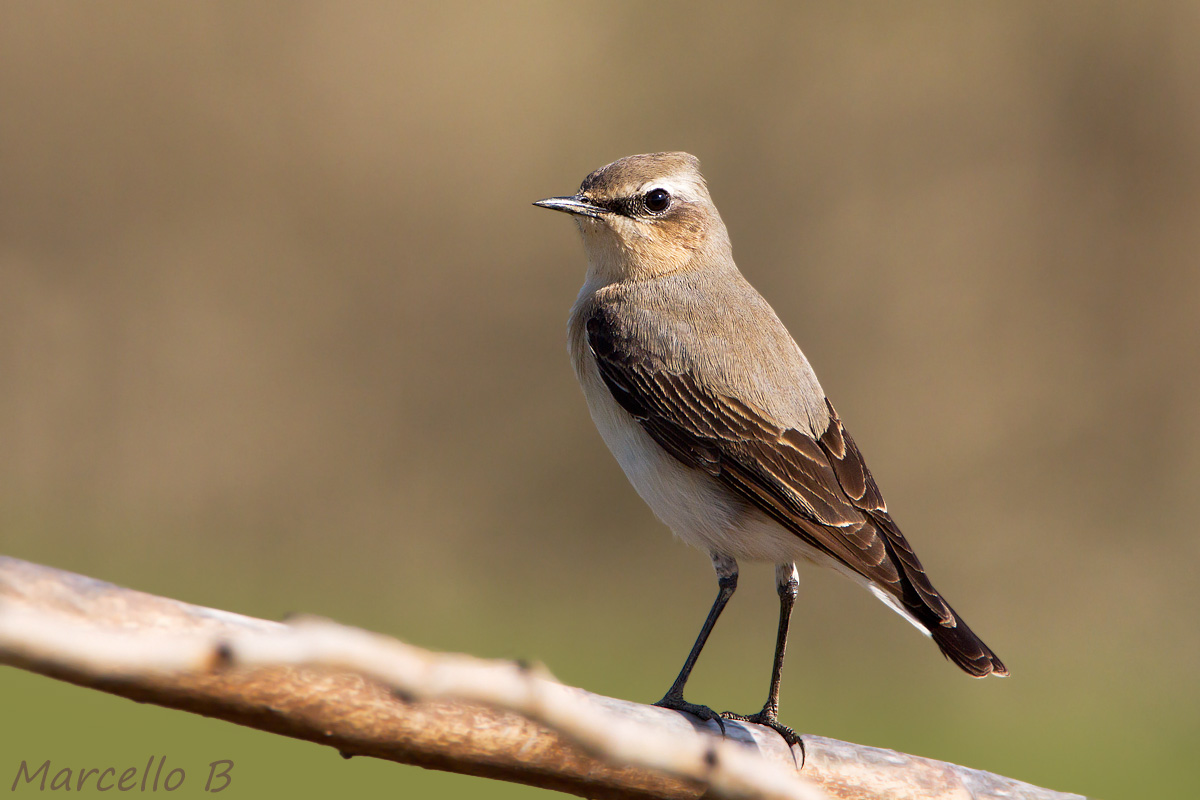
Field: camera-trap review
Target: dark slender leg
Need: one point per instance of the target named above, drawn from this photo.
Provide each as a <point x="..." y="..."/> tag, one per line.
<point x="787" y="583"/>
<point x="727" y="578"/>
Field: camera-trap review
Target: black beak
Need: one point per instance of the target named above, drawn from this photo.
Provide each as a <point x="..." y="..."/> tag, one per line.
<point x="573" y="205"/>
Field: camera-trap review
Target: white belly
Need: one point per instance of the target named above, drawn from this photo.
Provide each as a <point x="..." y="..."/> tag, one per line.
<point x="696" y="507"/>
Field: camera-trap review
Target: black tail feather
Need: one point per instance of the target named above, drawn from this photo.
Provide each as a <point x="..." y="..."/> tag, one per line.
<point x="914" y="591"/>
<point x="960" y="644"/>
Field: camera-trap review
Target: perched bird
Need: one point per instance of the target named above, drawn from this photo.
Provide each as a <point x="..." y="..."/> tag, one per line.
<point x="717" y="418"/>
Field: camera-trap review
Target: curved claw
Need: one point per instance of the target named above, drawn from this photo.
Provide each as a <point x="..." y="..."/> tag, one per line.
<point x="770" y="720"/>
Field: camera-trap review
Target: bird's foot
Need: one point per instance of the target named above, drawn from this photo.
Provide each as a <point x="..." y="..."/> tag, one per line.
<point x="770" y="718"/>
<point x="675" y="702"/>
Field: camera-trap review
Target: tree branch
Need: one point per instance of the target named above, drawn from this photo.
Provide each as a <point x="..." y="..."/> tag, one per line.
<point x="366" y="694"/>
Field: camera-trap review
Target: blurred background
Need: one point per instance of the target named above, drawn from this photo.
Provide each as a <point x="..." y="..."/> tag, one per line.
<point x="280" y="331"/>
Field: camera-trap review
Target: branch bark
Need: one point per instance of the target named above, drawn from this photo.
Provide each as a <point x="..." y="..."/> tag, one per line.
<point x="366" y="694"/>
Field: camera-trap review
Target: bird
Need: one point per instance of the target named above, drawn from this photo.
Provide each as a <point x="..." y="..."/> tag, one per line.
<point x="717" y="419"/>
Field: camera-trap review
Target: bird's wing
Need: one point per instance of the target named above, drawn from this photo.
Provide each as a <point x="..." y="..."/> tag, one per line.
<point x="818" y="488"/>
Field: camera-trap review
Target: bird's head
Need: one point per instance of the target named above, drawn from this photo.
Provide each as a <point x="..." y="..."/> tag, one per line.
<point x="645" y="216"/>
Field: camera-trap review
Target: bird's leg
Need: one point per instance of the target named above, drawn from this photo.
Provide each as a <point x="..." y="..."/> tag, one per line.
<point x="727" y="578"/>
<point x="787" y="583"/>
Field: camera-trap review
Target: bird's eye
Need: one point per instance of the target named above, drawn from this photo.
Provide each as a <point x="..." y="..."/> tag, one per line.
<point x="657" y="200"/>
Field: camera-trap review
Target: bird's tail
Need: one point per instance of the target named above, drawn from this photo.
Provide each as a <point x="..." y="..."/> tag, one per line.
<point x="960" y="644"/>
<point x="952" y="636"/>
<point x="915" y="598"/>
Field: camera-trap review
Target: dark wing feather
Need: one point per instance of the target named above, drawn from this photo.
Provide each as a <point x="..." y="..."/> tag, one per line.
<point x="820" y="489"/>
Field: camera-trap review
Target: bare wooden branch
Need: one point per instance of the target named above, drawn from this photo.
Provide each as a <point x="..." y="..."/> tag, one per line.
<point x="366" y="694"/>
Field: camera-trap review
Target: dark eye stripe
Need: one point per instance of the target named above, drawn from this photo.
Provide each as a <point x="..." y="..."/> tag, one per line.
<point x="637" y="205"/>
